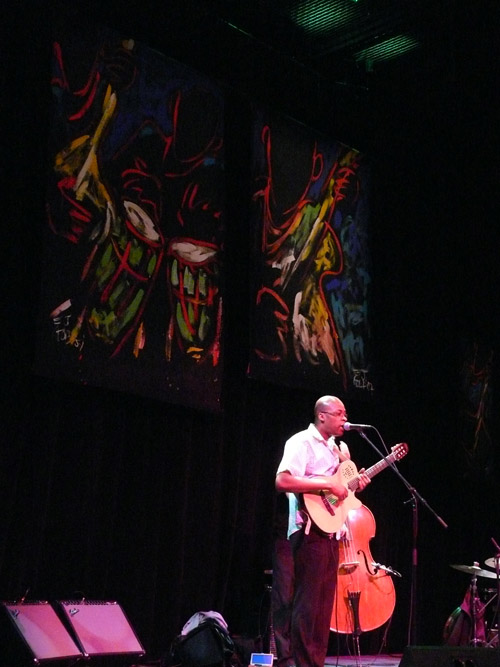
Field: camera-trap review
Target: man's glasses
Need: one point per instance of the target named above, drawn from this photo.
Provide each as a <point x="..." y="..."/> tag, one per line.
<point x="338" y="413"/>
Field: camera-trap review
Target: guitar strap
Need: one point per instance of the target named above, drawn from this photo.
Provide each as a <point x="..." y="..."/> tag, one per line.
<point x="342" y="450"/>
<point x="307" y="521"/>
<point x="344" y="455"/>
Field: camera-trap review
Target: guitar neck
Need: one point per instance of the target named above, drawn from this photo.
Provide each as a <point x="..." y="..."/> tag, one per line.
<point x="372" y="471"/>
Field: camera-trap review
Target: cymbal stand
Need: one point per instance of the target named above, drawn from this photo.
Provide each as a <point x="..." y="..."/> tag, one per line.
<point x="474" y="610"/>
<point x="492" y="636"/>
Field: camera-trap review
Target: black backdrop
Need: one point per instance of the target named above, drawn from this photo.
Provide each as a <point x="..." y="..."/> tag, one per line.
<point x="169" y="510"/>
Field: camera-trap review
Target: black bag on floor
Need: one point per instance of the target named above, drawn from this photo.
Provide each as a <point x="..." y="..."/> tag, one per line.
<point x="207" y="645"/>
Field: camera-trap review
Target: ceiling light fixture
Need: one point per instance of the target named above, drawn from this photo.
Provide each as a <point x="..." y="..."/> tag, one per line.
<point x="387" y="50"/>
<point x="321" y="16"/>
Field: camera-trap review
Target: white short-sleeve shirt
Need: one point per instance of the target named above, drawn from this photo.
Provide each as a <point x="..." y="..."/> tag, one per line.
<point x="306" y="454"/>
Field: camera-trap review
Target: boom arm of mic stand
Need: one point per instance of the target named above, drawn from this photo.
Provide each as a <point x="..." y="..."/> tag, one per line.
<point x="409" y="486"/>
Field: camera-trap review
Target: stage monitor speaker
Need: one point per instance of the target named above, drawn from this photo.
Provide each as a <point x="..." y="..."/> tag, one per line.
<point x="450" y="656"/>
<point x="40" y="635"/>
<point x="101" y="628"/>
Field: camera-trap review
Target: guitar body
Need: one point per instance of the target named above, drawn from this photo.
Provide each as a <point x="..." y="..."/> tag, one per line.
<point x="325" y="509"/>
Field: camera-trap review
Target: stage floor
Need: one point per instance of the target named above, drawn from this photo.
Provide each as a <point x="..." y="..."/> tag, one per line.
<point x="392" y="660"/>
<point x="364" y="661"/>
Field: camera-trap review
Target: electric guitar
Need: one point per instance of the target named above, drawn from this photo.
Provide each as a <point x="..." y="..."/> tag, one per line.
<point x="326" y="510"/>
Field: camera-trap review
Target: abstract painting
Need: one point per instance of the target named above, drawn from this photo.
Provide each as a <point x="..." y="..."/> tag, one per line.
<point x="131" y="295"/>
<point x="312" y="268"/>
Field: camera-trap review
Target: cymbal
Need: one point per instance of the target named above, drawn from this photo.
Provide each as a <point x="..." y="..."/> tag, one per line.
<point x="490" y="562"/>
<point x="475" y="569"/>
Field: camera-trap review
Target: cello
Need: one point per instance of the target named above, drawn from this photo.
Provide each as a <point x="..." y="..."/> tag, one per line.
<point x="365" y="596"/>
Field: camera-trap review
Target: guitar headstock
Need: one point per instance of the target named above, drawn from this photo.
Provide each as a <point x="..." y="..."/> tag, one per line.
<point x="399" y="451"/>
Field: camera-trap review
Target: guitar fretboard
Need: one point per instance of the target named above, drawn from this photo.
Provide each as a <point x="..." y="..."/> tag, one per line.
<point x="371" y="472"/>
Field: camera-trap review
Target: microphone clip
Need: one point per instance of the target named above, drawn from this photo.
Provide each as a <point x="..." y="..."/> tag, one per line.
<point x="385" y="568"/>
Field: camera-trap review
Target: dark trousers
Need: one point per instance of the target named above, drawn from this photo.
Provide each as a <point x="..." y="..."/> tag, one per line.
<point x="316" y="558"/>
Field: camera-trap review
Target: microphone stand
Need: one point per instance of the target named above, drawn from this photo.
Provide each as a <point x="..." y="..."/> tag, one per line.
<point x="415" y="497"/>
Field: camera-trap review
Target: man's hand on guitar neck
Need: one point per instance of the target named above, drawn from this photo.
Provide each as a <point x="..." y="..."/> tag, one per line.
<point x="363" y="480"/>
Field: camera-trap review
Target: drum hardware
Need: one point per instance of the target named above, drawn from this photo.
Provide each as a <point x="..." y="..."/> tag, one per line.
<point x="492" y="632"/>
<point x="493" y="562"/>
<point x="472" y="605"/>
<point x="475" y="570"/>
<point x="492" y="638"/>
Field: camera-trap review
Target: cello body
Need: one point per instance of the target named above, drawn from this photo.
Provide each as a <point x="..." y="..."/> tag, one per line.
<point x="364" y="599"/>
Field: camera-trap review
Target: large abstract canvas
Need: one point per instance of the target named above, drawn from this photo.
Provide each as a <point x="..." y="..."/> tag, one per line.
<point x="312" y="270"/>
<point x="131" y="294"/>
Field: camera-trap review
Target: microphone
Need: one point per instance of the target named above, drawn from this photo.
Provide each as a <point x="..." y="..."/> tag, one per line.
<point x="385" y="568"/>
<point x="355" y="427"/>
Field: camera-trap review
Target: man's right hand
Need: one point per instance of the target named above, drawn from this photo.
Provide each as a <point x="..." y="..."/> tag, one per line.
<point x="338" y="490"/>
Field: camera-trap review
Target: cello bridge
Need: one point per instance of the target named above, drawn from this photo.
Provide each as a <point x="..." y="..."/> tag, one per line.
<point x="348" y="567"/>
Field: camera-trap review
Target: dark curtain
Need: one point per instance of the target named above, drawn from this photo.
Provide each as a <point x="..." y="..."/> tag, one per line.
<point x="167" y="510"/>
